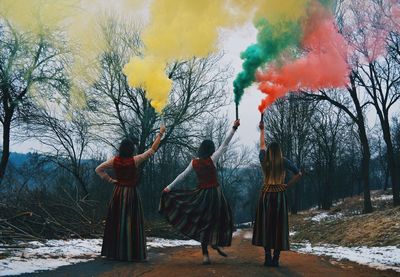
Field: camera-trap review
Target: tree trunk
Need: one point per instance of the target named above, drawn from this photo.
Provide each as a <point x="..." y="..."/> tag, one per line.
<point x="365" y="160"/>
<point x="365" y="151"/>
<point x="326" y="193"/>
<point x="386" y="184"/>
<point x="391" y="160"/>
<point x="5" y="155"/>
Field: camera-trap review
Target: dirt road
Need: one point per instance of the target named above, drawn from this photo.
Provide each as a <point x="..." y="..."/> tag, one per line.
<point x="244" y="260"/>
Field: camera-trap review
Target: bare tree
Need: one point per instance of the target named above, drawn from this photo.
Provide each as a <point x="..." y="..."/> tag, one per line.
<point x="328" y="130"/>
<point x="65" y="133"/>
<point x="28" y="64"/>
<point x="122" y="111"/>
<point x="379" y="76"/>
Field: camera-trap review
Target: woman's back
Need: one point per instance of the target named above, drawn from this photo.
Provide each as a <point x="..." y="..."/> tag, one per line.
<point x="206" y="172"/>
<point x="125" y="171"/>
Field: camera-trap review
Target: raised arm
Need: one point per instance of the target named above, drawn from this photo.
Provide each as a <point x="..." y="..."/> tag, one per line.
<point x="262" y="136"/>
<point x="157" y="141"/>
<point x="180" y="177"/>
<point x="101" y="170"/>
<point x="145" y="155"/>
<point x="222" y="148"/>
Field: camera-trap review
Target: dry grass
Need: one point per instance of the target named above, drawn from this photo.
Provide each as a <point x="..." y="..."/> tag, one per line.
<point x="380" y="228"/>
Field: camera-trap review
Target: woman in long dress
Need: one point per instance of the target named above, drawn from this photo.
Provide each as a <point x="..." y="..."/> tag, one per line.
<point x="202" y="214"/>
<point x="271" y="229"/>
<point x="124" y="238"/>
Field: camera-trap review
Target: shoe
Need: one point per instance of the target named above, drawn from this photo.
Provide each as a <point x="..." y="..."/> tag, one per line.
<point x="268" y="260"/>
<point x="206" y="260"/>
<point x="222" y="253"/>
<point x="275" y="261"/>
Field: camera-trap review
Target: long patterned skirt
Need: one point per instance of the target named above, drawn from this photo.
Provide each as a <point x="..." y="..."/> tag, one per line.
<point x="124" y="237"/>
<point x="271" y="228"/>
<point x="201" y="214"/>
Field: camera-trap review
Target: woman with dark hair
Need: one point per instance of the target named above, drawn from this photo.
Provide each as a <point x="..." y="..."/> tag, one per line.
<point x="124" y="238"/>
<point x="202" y="214"/>
<point x="271" y="228"/>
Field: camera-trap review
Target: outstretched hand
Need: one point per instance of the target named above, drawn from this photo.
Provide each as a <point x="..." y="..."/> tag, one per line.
<point x="261" y="125"/>
<point x="236" y="123"/>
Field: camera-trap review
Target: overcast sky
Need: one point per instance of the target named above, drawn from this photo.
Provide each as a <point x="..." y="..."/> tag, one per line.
<point x="232" y="42"/>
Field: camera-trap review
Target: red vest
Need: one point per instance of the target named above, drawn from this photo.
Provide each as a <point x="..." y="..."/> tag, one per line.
<point x="206" y="173"/>
<point x="125" y="171"/>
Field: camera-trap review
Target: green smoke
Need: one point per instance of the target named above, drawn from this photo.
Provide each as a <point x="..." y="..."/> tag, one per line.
<point x="272" y="40"/>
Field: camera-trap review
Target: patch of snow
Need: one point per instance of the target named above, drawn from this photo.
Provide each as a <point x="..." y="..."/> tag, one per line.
<point x="337" y="203"/>
<point x="292" y="233"/>
<point x="248" y="235"/>
<point x="55" y="253"/>
<point x="382" y="258"/>
<point x="313" y="208"/>
<point x="245" y="233"/>
<point x="383" y="197"/>
<point x="48" y="255"/>
<point x="244" y="224"/>
<point x="162" y="243"/>
<point x="325" y="216"/>
<point x="237" y="232"/>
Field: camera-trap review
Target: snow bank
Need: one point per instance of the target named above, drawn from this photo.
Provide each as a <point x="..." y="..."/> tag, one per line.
<point x="55" y="253"/>
<point x="382" y="258"/>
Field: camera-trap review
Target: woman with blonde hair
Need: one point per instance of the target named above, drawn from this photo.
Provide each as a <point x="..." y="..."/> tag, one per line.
<point x="271" y="228"/>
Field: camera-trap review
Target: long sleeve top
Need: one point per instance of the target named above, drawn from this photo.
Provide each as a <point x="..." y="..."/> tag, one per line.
<point x="214" y="157"/>
<point x="101" y="169"/>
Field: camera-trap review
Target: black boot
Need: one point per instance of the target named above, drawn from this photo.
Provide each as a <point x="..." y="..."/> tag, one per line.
<point x="222" y="253"/>
<point x="268" y="258"/>
<point x="206" y="258"/>
<point x="275" y="259"/>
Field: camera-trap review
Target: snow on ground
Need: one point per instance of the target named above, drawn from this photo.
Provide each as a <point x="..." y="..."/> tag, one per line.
<point x="245" y="233"/>
<point x="325" y="216"/>
<point x="245" y="225"/>
<point x="382" y="258"/>
<point x="162" y="243"/>
<point x="55" y="253"/>
<point x="383" y="197"/>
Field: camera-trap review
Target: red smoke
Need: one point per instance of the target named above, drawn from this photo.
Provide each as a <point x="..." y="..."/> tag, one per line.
<point x="323" y="65"/>
<point x="395" y="15"/>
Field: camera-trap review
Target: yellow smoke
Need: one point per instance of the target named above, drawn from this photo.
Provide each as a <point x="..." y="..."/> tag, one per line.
<point x="178" y="29"/>
<point x="152" y="77"/>
<point x="80" y="21"/>
<point x="184" y="29"/>
<point x="36" y="15"/>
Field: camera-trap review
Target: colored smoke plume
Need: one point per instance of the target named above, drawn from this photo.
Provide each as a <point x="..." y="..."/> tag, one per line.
<point x="180" y="30"/>
<point x="79" y="20"/>
<point x="322" y="65"/>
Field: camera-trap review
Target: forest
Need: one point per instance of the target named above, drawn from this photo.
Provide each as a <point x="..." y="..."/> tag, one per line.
<point x="345" y="140"/>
